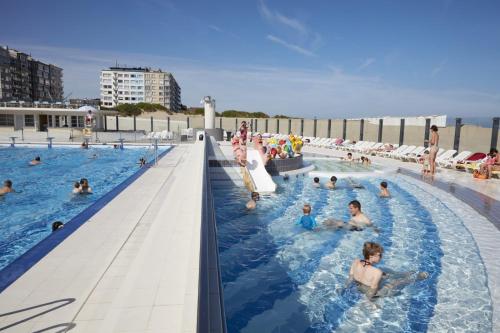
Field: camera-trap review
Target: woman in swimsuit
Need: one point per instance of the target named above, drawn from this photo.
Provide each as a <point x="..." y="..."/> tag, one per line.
<point x="372" y="280"/>
<point x="434" y="148"/>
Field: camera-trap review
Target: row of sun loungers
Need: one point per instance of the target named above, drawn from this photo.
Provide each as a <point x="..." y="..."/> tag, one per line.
<point x="410" y="153"/>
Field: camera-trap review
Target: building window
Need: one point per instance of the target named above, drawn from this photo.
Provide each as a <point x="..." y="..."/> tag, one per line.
<point x="74" y="121"/>
<point x="6" y="120"/>
<point x="29" y="120"/>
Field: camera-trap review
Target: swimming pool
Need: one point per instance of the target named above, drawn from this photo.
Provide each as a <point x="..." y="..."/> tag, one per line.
<point x="331" y="165"/>
<point x="278" y="277"/>
<point x="43" y="192"/>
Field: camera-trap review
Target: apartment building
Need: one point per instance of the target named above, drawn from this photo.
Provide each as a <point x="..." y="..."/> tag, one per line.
<point x="121" y="85"/>
<point x="23" y="78"/>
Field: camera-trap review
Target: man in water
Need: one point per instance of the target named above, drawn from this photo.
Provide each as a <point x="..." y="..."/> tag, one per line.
<point x="331" y="183"/>
<point x="370" y="278"/>
<point x="384" y="192"/>
<point x="358" y="221"/>
<point x="252" y="204"/>
<point x="35" y="161"/>
<point x="7" y="187"/>
<point x="57" y="225"/>
<point x="84" y="185"/>
<point x="307" y="221"/>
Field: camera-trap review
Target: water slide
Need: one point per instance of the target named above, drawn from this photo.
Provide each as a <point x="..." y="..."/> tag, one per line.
<point x="262" y="181"/>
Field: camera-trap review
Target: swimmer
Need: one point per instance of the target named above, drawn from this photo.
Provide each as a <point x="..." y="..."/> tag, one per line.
<point x="331" y="183"/>
<point x="35" y="161"/>
<point x="307" y="221"/>
<point x="286" y="177"/>
<point x="57" y="225"/>
<point x="142" y="162"/>
<point x="115" y="146"/>
<point x="7" y="187"/>
<point x="84" y="184"/>
<point x="348" y="158"/>
<point x="370" y="278"/>
<point x="252" y="204"/>
<point x="358" y="221"/>
<point x="316" y="182"/>
<point x="384" y="192"/>
<point x="77" y="188"/>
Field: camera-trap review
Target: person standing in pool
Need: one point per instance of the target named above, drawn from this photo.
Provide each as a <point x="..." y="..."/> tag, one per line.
<point x="84" y="185"/>
<point x="331" y="183"/>
<point x="316" y="182"/>
<point x="370" y="278"/>
<point x="307" y="221"/>
<point x="384" y="192"/>
<point x="252" y="204"/>
<point x="7" y="187"/>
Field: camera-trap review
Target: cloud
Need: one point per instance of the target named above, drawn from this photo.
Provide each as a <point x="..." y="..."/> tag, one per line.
<point x="292" y="23"/>
<point x="327" y="93"/>
<point x="292" y="47"/>
<point x="366" y="63"/>
<point x="305" y="35"/>
<point x="214" y="27"/>
<point x="436" y="70"/>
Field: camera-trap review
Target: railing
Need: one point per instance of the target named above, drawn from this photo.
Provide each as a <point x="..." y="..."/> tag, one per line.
<point x="211" y="315"/>
<point x="44" y="105"/>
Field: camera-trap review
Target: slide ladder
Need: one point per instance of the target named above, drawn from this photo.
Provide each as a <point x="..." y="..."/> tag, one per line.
<point x="261" y="180"/>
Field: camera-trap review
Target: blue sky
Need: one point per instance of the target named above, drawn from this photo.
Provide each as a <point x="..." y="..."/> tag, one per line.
<point x="305" y="58"/>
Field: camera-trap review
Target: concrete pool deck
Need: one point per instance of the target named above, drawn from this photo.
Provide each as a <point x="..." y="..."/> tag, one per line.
<point x="132" y="267"/>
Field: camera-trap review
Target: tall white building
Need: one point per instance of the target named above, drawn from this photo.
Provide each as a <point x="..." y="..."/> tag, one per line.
<point x="135" y="85"/>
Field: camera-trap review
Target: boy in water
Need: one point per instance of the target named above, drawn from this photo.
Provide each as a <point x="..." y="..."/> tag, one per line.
<point x="252" y="204"/>
<point x="369" y="277"/>
<point x="331" y="183"/>
<point x="348" y="158"/>
<point x="7" y="187"/>
<point x="307" y="221"/>
<point x="84" y="185"/>
<point x="384" y="192"/>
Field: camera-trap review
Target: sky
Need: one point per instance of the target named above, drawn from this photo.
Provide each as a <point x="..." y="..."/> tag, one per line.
<point x="321" y="58"/>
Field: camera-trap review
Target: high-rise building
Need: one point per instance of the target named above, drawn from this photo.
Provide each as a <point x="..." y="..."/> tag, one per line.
<point x="23" y="78"/>
<point x="121" y="85"/>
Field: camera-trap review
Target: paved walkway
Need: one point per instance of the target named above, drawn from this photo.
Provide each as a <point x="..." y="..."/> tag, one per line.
<point x="133" y="267"/>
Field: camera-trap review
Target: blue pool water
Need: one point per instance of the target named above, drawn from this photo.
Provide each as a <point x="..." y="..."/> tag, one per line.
<point x="44" y="191"/>
<point x="278" y="277"/>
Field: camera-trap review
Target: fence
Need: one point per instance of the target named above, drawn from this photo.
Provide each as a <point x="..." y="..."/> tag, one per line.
<point x="458" y="136"/>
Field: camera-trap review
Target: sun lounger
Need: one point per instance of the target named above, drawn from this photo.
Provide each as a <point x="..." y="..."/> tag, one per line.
<point x="413" y="156"/>
<point x="472" y="162"/>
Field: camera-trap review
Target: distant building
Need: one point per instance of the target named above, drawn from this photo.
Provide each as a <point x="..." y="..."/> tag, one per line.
<point x="121" y="85"/>
<point x="95" y="102"/>
<point x="23" y="78"/>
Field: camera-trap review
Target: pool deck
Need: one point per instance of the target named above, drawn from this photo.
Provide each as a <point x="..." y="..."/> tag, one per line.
<point x="133" y="267"/>
<point x="481" y="196"/>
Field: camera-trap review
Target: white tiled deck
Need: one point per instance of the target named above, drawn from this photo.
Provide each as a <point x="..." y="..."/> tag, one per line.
<point x="133" y="267"/>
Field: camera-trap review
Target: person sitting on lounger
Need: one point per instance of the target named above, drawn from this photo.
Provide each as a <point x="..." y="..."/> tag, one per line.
<point x="491" y="164"/>
<point x="372" y="280"/>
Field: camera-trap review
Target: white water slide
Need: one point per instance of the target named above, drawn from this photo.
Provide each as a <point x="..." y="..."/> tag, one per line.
<point x="263" y="182"/>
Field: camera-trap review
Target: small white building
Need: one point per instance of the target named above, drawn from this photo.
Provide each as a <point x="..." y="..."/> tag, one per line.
<point x="43" y="116"/>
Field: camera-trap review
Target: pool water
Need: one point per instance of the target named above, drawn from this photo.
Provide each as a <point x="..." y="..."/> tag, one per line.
<point x="332" y="165"/>
<point x="44" y="192"/>
<point x="278" y="277"/>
